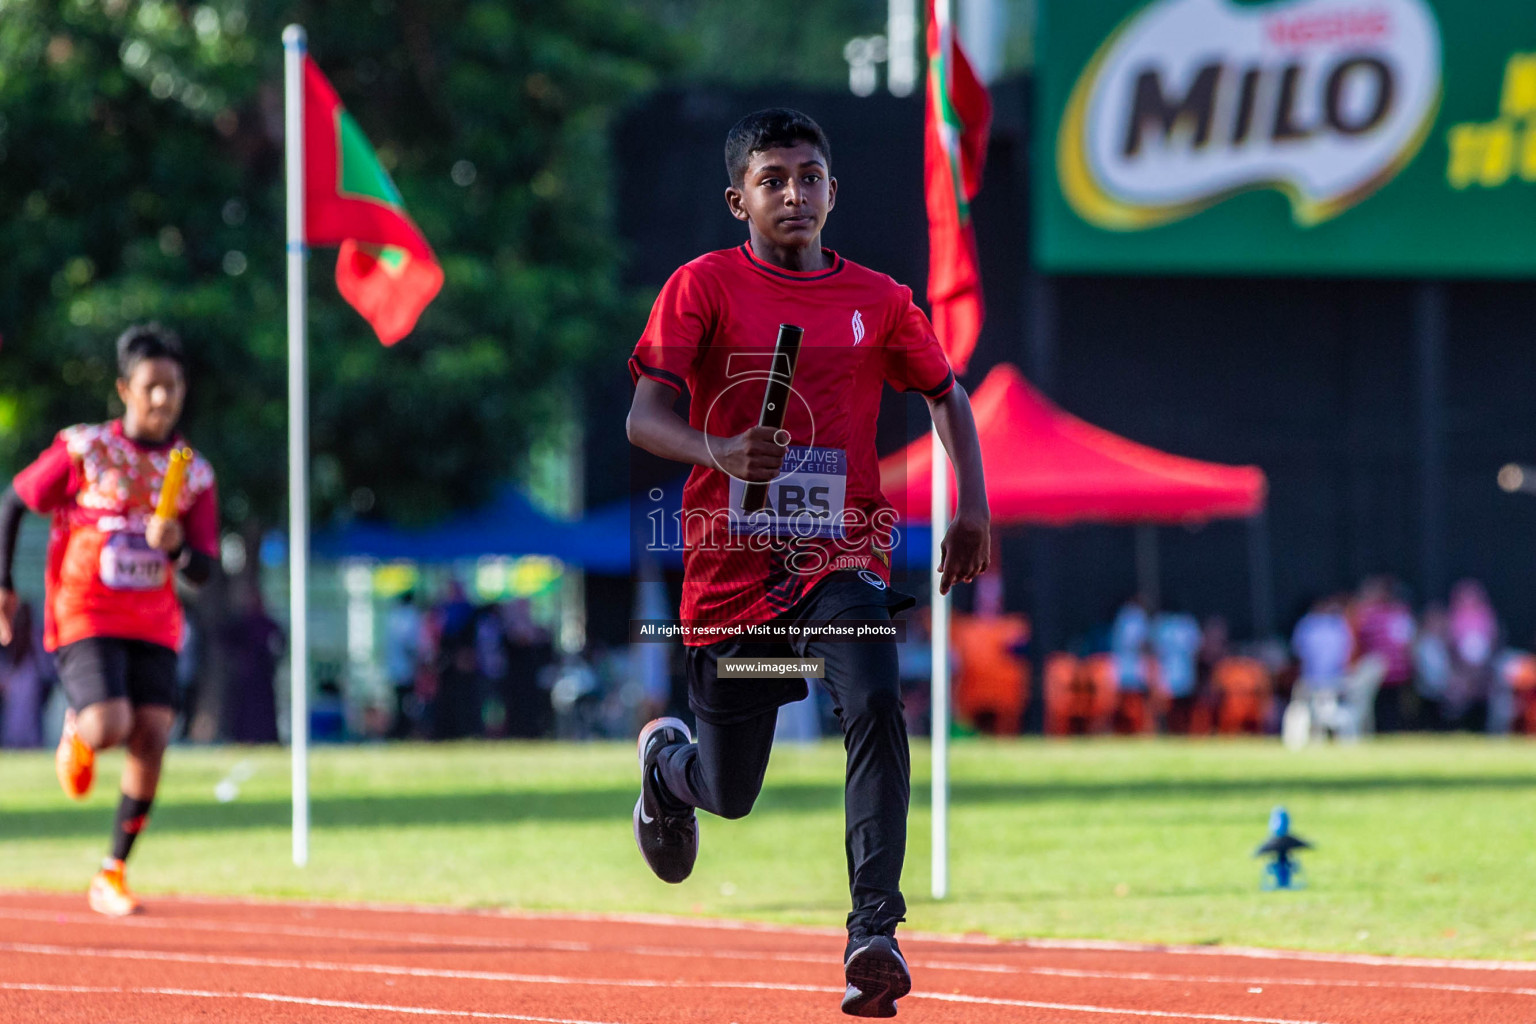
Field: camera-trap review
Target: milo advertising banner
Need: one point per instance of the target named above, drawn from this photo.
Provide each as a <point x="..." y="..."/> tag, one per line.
<point x="1351" y="137"/>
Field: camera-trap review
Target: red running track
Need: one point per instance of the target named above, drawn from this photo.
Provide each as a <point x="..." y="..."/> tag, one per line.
<point x="192" y="959"/>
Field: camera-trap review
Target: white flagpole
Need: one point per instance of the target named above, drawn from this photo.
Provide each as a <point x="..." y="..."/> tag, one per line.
<point x="939" y="517"/>
<point x="294" y="45"/>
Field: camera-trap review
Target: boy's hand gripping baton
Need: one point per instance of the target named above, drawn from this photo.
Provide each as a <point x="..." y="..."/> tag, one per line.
<point x="781" y="375"/>
<point x="170" y="488"/>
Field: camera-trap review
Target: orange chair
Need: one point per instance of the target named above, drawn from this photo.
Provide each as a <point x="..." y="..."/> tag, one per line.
<point x="992" y="684"/>
<point x="1103" y="681"/>
<point x="1157" y="691"/>
<point x="1137" y="712"/>
<point x="1066" y="711"/>
<point x="1244" y="692"/>
<point x="1075" y="696"/>
<point x="1202" y="718"/>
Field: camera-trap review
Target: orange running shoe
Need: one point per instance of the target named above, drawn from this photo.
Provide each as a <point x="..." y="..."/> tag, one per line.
<point x="74" y="761"/>
<point x="109" y="891"/>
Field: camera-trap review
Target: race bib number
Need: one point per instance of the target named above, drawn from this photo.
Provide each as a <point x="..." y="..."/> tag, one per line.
<point x="804" y="500"/>
<point x="129" y="563"/>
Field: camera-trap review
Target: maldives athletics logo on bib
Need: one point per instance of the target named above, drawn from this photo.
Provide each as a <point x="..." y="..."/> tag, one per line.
<point x="1190" y="102"/>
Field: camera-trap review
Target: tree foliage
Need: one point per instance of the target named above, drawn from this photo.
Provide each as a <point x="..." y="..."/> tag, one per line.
<point x="141" y="177"/>
<point x="751" y="44"/>
<point x="726" y="41"/>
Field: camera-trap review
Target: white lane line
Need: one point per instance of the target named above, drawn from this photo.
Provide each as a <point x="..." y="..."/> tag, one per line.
<point x="726" y="924"/>
<point x="273" y="997"/>
<point x="1077" y="1008"/>
<point x="1214" y="979"/>
<point x="555" y="946"/>
<point x="1058" y="972"/>
<point x="1254" y="953"/>
<point x="412" y="938"/>
<point x="720" y="924"/>
<point x="513" y="914"/>
<point x="304" y="931"/>
<point x="1029" y="1004"/>
<point x="389" y="970"/>
<point x="631" y="983"/>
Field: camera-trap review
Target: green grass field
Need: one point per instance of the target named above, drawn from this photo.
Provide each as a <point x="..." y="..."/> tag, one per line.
<point x="1424" y="847"/>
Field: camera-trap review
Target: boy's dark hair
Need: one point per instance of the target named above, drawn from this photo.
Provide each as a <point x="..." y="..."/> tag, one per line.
<point x="770" y="129"/>
<point x="148" y="341"/>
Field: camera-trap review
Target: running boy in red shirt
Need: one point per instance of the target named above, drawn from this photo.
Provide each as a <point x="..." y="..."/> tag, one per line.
<point x="819" y="555"/>
<point x="110" y="610"/>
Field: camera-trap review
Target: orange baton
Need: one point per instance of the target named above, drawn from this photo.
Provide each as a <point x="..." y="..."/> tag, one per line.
<point x="170" y="488"/>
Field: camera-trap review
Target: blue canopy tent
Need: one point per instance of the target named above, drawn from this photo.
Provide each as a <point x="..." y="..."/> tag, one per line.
<point x="510" y="525"/>
<point x="624" y="534"/>
<point x="615" y="539"/>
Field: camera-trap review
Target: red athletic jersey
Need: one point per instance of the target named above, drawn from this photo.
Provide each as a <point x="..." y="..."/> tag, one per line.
<point x="102" y="579"/>
<point x="712" y="330"/>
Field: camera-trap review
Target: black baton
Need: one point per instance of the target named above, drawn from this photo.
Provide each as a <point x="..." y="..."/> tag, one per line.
<point x="786" y="352"/>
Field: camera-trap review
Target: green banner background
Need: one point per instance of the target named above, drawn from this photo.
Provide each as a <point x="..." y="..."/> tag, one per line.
<point x="1418" y="224"/>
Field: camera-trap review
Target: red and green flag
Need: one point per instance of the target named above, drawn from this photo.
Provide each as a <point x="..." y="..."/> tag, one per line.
<point x="958" y="115"/>
<point x="385" y="268"/>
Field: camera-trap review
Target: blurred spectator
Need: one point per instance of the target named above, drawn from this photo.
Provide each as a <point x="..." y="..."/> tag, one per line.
<point x="457" y="711"/>
<point x="1474" y="636"/>
<point x="1323" y="643"/>
<point x="25" y="678"/>
<point x="1432" y="667"/>
<point x="189" y="661"/>
<point x="651" y="663"/>
<point x="1384" y="627"/>
<point x="1215" y="644"/>
<point x="621" y="691"/>
<point x="576" y="697"/>
<point x="253" y="646"/>
<point x="491" y="657"/>
<point x="1215" y="647"/>
<point x="1130" y="645"/>
<point x="1128" y="642"/>
<point x="914" y="660"/>
<point x="403" y="628"/>
<point x="799" y="721"/>
<point x="530" y="652"/>
<point x="1176" y="641"/>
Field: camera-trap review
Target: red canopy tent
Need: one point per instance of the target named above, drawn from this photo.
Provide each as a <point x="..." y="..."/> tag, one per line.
<point x="1045" y="466"/>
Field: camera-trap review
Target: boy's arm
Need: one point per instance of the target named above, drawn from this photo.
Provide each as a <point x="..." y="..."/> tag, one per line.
<point x="49" y="482"/>
<point x="968" y="541"/>
<point x="200" y="543"/>
<point x="654" y="425"/>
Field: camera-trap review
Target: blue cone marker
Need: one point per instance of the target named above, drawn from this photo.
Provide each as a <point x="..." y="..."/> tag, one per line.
<point x="1283" y="871"/>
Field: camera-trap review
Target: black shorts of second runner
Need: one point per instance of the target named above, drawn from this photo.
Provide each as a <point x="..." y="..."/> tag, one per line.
<point x="102" y="668"/>
<point x="729" y="701"/>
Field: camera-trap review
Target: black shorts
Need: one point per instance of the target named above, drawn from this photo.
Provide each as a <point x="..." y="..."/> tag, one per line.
<point x="840" y="595"/>
<point x="102" y="668"/>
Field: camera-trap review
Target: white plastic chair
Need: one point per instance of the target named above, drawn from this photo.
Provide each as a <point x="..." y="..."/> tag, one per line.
<point x="1356" y="713"/>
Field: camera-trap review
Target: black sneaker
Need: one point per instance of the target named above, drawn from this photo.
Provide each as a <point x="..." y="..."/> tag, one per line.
<point x="668" y="838"/>
<point x="877" y="976"/>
